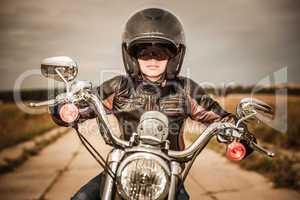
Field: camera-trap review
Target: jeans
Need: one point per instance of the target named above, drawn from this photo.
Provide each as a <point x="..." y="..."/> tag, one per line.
<point x="92" y="190"/>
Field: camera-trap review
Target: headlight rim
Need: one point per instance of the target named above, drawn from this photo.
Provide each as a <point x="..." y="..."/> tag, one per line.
<point x="143" y="155"/>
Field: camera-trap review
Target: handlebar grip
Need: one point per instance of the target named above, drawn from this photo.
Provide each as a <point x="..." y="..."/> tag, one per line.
<point x="259" y="148"/>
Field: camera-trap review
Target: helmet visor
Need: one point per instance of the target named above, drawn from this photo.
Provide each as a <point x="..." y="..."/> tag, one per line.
<point x="147" y="51"/>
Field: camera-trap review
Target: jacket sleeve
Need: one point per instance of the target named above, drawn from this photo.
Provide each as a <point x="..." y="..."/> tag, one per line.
<point x="105" y="92"/>
<point x="202" y="107"/>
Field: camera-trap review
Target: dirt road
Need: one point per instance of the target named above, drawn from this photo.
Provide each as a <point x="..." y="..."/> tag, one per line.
<point x="60" y="169"/>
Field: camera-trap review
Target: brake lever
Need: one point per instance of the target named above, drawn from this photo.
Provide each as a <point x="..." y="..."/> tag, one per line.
<point x="260" y="149"/>
<point x="43" y="103"/>
<point x="64" y="97"/>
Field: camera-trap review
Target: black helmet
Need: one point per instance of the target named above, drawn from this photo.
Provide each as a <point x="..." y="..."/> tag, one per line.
<point x="153" y="26"/>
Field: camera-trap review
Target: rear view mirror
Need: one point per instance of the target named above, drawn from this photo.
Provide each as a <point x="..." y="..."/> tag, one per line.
<point x="250" y="108"/>
<point x="60" y="68"/>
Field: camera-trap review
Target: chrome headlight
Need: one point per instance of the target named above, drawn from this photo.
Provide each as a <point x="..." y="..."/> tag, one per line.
<point x="143" y="176"/>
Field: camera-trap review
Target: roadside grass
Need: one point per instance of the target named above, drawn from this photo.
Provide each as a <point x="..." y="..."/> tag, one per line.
<point x="284" y="169"/>
<point x="17" y="126"/>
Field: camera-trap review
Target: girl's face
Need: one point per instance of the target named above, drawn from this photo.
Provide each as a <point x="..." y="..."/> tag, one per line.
<point x="152" y="68"/>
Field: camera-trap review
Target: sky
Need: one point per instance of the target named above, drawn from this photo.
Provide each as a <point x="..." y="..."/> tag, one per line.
<point x="228" y="42"/>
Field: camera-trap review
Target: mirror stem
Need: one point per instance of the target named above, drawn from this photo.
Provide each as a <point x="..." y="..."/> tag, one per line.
<point x="61" y="76"/>
<point x="244" y="118"/>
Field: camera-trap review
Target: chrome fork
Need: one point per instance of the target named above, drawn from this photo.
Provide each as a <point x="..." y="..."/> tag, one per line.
<point x="113" y="160"/>
<point x="175" y="174"/>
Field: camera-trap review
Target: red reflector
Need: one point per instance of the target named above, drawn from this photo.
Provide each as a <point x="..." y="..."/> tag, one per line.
<point x="68" y="113"/>
<point x="236" y="151"/>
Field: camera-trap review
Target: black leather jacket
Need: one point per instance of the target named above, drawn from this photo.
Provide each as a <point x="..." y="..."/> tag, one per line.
<point x="179" y="99"/>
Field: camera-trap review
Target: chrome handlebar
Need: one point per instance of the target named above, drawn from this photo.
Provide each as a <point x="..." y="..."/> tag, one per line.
<point x="100" y="112"/>
<point x="200" y="143"/>
<point x="211" y="131"/>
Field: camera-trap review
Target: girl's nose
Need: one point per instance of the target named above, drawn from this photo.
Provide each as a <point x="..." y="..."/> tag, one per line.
<point x="152" y="61"/>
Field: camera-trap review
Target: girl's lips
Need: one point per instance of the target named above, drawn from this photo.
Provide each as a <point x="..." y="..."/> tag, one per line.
<point x="152" y="67"/>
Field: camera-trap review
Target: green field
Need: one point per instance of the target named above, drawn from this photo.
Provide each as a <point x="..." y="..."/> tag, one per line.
<point x="17" y="126"/>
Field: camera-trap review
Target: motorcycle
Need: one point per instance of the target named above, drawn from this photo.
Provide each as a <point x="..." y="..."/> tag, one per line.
<point x="144" y="167"/>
